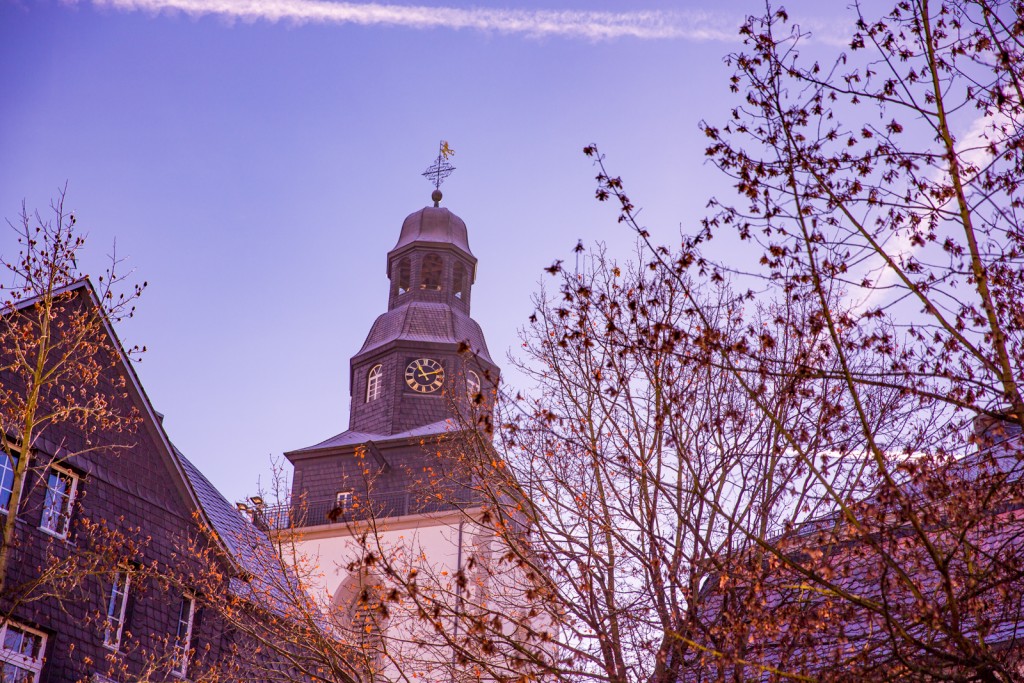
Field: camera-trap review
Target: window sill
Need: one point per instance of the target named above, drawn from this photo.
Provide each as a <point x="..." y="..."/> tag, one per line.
<point x="54" y="534"/>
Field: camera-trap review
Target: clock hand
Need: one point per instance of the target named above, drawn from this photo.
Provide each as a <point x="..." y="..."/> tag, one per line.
<point x="419" y="368"/>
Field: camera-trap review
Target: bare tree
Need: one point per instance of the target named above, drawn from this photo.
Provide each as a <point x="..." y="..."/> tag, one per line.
<point x="800" y="462"/>
<point x="607" y="501"/>
<point x="881" y="201"/>
<point x="53" y="352"/>
<point x="65" y="403"/>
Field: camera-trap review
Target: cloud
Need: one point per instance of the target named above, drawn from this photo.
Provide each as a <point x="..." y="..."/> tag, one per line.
<point x="589" y="25"/>
<point x="973" y="153"/>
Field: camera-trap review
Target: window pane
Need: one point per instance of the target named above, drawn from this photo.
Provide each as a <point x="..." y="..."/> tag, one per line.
<point x="57" y="506"/>
<point x="184" y="617"/>
<point x="115" y="610"/>
<point x="30" y="643"/>
<point x="12" y="639"/>
<point x="373" y="383"/>
<point x="15" y="674"/>
<point x="7" y="466"/>
<point x="21" y="642"/>
<point x="183" y="637"/>
<point x="21" y="656"/>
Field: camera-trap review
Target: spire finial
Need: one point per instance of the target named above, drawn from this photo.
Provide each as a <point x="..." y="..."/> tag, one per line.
<point x="439" y="170"/>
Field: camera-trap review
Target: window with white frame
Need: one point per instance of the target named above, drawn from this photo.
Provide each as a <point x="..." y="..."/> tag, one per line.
<point x="21" y="657"/>
<point x="61" y="487"/>
<point x="8" y="463"/>
<point x="117" y="604"/>
<point x="374" y="383"/>
<point x="183" y="637"/>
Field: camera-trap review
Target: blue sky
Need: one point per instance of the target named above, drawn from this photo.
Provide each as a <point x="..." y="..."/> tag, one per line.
<point x="256" y="171"/>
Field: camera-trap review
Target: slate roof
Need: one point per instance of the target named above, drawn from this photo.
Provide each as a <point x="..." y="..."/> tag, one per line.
<point x="425" y="322"/>
<point x="434" y="225"/>
<point x="354" y="438"/>
<point x="249" y="548"/>
<point x="227" y="521"/>
<point x="847" y="631"/>
<point x="85" y="286"/>
<point x="267" y="583"/>
<point x="1001" y="454"/>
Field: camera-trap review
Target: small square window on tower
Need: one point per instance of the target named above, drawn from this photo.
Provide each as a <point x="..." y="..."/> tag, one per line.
<point x="343" y="505"/>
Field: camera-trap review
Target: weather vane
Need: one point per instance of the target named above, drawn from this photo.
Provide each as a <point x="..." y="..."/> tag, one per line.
<point x="439" y="170"/>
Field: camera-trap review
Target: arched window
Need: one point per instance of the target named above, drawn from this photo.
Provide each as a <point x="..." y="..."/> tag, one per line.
<point x="459" y="280"/>
<point x="430" y="272"/>
<point x="374" y="383"/>
<point x="361" y="611"/>
<point x="404" y="275"/>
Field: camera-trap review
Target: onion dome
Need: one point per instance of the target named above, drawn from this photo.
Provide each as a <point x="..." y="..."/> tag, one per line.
<point x="433" y="225"/>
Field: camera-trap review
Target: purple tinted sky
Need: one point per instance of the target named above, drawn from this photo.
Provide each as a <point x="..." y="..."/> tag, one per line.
<point x="256" y="173"/>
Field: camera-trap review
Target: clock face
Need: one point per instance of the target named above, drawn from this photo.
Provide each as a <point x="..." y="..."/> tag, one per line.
<point x="424" y="375"/>
<point x="472" y="384"/>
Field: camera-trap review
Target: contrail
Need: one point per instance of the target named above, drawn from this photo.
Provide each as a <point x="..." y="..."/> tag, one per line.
<point x="649" y="25"/>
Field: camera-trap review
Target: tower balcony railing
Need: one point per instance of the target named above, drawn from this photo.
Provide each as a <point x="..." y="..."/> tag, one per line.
<point x="348" y="508"/>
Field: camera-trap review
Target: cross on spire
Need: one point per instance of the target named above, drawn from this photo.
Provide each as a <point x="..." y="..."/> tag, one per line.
<point x="439" y="170"/>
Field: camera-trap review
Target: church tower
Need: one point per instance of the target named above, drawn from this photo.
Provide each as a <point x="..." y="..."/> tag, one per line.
<point x="385" y="508"/>
<point x="423" y="363"/>
<point x="410" y="362"/>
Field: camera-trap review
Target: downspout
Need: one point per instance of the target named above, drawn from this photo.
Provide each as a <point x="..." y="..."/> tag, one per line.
<point x="458" y="600"/>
